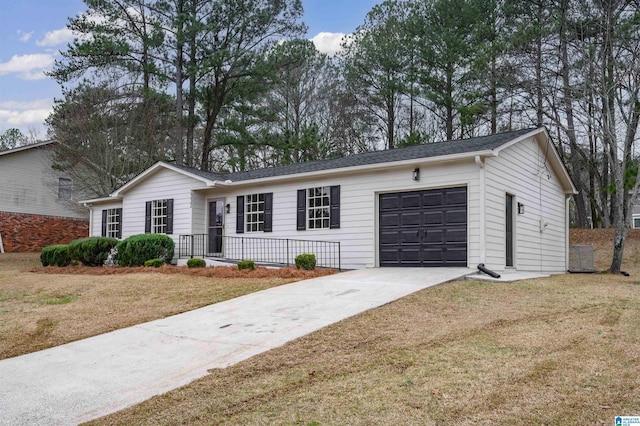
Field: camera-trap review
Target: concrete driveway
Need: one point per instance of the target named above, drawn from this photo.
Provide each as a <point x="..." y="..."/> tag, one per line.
<point x="89" y="378"/>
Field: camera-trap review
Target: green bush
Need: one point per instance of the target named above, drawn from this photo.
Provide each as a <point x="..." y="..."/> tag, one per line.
<point x="92" y="251"/>
<point x="306" y="261"/>
<point x="57" y="255"/>
<point x="196" y="263"/>
<point x="137" y="249"/>
<point x="246" y="264"/>
<point x="154" y="263"/>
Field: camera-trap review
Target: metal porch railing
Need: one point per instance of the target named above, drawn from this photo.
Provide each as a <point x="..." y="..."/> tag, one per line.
<point x="264" y="250"/>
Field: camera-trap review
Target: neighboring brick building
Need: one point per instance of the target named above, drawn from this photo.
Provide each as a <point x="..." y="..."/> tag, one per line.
<point x="38" y="205"/>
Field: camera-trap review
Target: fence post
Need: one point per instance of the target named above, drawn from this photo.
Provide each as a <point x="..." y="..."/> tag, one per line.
<point x="191" y="245"/>
<point x="339" y="258"/>
<point x="288" y="264"/>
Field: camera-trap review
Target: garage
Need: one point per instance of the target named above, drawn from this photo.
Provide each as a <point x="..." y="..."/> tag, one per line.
<point x="424" y="228"/>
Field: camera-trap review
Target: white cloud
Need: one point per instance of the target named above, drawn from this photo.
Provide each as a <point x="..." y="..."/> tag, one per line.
<point x="28" y="116"/>
<point x="28" y="67"/>
<point x="22" y="119"/>
<point x="26" y="36"/>
<point x="56" y="37"/>
<point x="328" y="43"/>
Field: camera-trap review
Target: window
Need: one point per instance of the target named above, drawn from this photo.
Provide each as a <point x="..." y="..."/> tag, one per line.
<point x="318" y="207"/>
<point x="64" y="188"/>
<point x="636" y="222"/>
<point x="112" y="223"/>
<point x="159" y="217"/>
<point x="255" y="212"/>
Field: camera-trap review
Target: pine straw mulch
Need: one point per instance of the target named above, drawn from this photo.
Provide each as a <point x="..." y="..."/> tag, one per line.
<point x="211" y="271"/>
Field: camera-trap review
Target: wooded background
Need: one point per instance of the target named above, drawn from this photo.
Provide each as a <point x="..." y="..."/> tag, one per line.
<point x="229" y="85"/>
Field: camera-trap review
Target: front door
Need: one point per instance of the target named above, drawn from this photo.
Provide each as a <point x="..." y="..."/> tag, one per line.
<point x="216" y="224"/>
<point x="509" y="230"/>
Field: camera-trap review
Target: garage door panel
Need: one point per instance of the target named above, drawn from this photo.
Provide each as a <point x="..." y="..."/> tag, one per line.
<point x="390" y="220"/>
<point x="410" y="237"/>
<point x="408" y="255"/>
<point x="410" y="219"/>
<point x="456" y="217"/>
<point x="433" y="218"/>
<point x="389" y="238"/>
<point x="410" y="200"/>
<point x="456" y="235"/>
<point x="435" y="236"/>
<point x="456" y="197"/>
<point x="424" y="228"/>
<point x="435" y="199"/>
<point x="389" y="202"/>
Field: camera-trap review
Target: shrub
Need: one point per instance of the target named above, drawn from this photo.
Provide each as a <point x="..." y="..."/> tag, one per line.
<point x="196" y="263"/>
<point x="137" y="249"/>
<point x="57" y="255"/>
<point x="92" y="251"/>
<point x="154" y="263"/>
<point x="246" y="264"/>
<point x="306" y="261"/>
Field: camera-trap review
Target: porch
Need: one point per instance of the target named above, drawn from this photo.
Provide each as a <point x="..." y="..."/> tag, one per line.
<point x="280" y="251"/>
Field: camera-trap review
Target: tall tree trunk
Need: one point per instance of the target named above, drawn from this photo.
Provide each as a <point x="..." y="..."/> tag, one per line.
<point x="179" y="63"/>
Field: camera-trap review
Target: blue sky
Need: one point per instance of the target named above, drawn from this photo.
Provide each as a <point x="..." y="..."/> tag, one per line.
<point x="32" y="32"/>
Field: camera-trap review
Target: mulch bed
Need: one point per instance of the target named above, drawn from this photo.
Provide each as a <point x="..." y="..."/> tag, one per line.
<point x="211" y="271"/>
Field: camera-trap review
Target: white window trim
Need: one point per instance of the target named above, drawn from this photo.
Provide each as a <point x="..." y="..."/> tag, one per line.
<point x="113" y="223"/>
<point x="159" y="216"/>
<point x="254" y="212"/>
<point x="319" y="214"/>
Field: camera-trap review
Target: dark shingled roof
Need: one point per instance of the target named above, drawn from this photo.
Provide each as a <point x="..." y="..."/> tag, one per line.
<point x="429" y="150"/>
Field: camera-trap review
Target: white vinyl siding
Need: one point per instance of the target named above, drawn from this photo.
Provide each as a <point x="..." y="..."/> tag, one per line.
<point x="164" y="184"/>
<point x="540" y="232"/>
<point x="358" y="206"/>
<point x="30" y="185"/>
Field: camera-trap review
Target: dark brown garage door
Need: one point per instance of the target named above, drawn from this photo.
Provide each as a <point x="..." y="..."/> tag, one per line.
<point x="424" y="228"/>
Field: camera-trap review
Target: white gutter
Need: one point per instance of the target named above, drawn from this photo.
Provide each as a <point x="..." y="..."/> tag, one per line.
<point x="366" y="167"/>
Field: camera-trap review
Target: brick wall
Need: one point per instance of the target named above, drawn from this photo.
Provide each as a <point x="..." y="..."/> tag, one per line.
<point x="30" y="233"/>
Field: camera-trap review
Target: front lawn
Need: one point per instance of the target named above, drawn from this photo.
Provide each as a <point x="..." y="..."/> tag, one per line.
<point x="555" y="351"/>
<point x="52" y="306"/>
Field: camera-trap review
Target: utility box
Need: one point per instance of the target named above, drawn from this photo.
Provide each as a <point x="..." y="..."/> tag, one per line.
<point x="581" y="258"/>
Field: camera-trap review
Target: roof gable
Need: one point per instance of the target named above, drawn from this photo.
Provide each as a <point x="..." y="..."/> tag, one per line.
<point x="27" y="147"/>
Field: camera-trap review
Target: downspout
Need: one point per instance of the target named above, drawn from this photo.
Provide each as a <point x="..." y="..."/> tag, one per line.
<point x="90" y="219"/>
<point x="481" y="193"/>
<point x="567" y="199"/>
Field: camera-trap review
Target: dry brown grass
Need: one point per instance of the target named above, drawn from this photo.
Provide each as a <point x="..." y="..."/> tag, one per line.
<point x="562" y="350"/>
<point x="39" y="310"/>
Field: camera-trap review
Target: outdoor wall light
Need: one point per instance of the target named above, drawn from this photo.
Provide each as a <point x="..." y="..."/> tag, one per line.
<point x="228" y="208"/>
<point x="520" y="208"/>
<point x="416" y="174"/>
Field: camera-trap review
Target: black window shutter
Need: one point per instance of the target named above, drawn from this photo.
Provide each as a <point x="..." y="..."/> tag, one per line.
<point x="119" y="219"/>
<point x="240" y="214"/>
<point x="147" y="218"/>
<point x="268" y="212"/>
<point x="104" y="223"/>
<point x="302" y="210"/>
<point x="334" y="212"/>
<point x="170" y="216"/>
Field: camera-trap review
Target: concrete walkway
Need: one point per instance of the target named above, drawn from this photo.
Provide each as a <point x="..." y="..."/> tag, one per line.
<point x="89" y="378"/>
